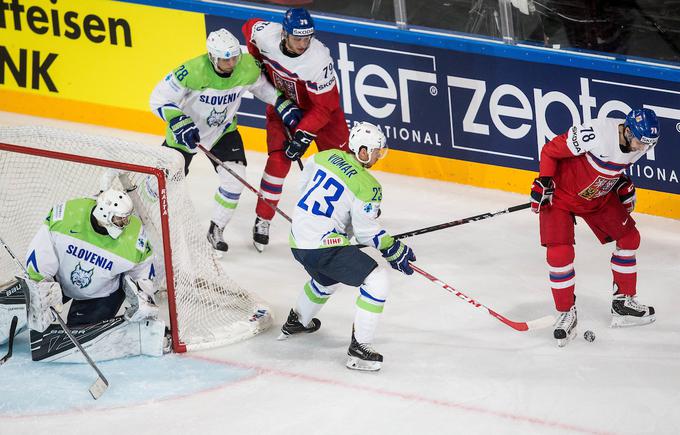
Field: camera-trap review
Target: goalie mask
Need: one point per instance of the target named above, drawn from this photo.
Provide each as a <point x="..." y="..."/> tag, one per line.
<point x="367" y="135"/>
<point x="113" y="211"/>
<point x="222" y="44"/>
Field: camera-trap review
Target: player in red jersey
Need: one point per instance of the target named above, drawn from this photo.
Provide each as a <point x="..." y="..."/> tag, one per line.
<point x="301" y="67"/>
<point x="582" y="174"/>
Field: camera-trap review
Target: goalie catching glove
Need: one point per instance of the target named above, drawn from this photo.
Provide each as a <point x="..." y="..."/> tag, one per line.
<point x="296" y="147"/>
<point x="185" y="131"/>
<point x="140" y="296"/>
<point x="625" y="189"/>
<point x="289" y="112"/>
<point x="42" y="296"/>
<point x="542" y="193"/>
<point x="399" y="255"/>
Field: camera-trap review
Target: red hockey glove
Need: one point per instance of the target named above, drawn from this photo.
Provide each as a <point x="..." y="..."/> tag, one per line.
<point x="542" y="193"/>
<point x="626" y="191"/>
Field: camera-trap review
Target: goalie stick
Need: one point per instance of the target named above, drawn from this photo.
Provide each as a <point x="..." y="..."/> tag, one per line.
<point x="101" y="383"/>
<point x="212" y="157"/>
<point x="531" y="325"/>
<point x="10" y="344"/>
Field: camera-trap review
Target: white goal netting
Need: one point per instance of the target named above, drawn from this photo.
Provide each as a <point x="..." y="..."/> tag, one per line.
<point x="206" y="307"/>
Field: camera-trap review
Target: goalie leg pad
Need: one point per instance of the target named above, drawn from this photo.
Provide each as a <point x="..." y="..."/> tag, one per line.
<point x="111" y="339"/>
<point x="370" y="303"/>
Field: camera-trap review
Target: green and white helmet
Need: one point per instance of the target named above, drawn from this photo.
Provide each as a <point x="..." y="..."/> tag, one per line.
<point x="222" y="45"/>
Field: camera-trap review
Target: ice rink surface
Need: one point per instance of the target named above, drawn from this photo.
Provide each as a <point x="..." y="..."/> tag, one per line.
<point x="449" y="367"/>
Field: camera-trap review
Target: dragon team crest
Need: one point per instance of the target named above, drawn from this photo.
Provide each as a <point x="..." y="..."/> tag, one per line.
<point x="81" y="277"/>
<point x="217" y="118"/>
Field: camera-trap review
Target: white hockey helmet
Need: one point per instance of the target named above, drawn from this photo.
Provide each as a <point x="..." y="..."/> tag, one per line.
<point x="222" y="45"/>
<point x="113" y="211"/>
<point x="367" y="135"/>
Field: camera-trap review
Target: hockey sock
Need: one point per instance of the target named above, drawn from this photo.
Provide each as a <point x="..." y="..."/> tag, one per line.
<point x="271" y="186"/>
<point x="370" y="304"/>
<point x="562" y="276"/>
<point x="312" y="299"/>
<point x="624" y="264"/>
<point x="228" y="193"/>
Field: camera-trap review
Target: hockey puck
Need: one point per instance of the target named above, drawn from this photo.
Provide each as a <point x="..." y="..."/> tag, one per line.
<point x="589" y="336"/>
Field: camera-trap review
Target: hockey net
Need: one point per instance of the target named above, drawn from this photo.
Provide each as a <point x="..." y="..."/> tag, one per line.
<point x="41" y="167"/>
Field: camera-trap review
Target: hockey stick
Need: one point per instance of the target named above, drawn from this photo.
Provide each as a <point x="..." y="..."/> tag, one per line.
<point x="212" y="157"/>
<point x="101" y="383"/>
<point x="290" y="138"/>
<point x="10" y="344"/>
<point x="455" y="223"/>
<point x="531" y="325"/>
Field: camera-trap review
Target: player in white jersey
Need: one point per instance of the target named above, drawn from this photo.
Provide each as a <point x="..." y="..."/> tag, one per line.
<point x="340" y="198"/>
<point x="199" y="101"/>
<point x="95" y="254"/>
<point x="582" y="174"/>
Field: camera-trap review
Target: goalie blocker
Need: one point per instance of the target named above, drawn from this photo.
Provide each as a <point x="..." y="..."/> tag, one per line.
<point x="12" y="303"/>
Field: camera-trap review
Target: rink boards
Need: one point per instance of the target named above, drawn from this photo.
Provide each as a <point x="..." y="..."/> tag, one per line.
<point x="453" y="108"/>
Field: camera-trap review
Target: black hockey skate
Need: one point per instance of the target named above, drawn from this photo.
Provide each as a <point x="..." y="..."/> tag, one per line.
<point x="361" y="356"/>
<point x="215" y="238"/>
<point x="565" y="327"/>
<point x="260" y="234"/>
<point x="293" y="326"/>
<point x="626" y="311"/>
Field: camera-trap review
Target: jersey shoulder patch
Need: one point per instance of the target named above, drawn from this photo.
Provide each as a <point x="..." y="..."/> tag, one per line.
<point x="194" y="72"/>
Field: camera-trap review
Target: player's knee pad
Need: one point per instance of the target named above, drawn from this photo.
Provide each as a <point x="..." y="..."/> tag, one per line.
<point x="373" y="292"/>
<point x="228" y="182"/>
<point x="560" y="255"/>
<point x="629" y="242"/>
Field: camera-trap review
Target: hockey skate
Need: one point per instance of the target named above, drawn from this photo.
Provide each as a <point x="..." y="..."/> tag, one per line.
<point x="565" y="327"/>
<point x="361" y="356"/>
<point x="260" y="234"/>
<point x="293" y="326"/>
<point x="626" y="311"/>
<point x="215" y="238"/>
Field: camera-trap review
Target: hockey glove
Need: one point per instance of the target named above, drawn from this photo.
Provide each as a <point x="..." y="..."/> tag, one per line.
<point x="296" y="147"/>
<point x="625" y="189"/>
<point x="140" y="296"/>
<point x="542" y="193"/>
<point x="185" y="131"/>
<point x="289" y="112"/>
<point x="42" y="296"/>
<point x="399" y="255"/>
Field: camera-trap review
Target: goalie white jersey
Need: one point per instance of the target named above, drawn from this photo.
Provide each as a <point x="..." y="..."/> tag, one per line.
<point x="87" y="264"/>
<point x="340" y="198"/>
